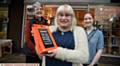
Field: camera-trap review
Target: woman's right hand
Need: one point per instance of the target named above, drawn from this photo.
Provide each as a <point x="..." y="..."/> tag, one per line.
<point x="32" y="33"/>
<point x="81" y="64"/>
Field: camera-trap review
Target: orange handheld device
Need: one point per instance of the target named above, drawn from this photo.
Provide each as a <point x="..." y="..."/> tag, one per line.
<point x="43" y="38"/>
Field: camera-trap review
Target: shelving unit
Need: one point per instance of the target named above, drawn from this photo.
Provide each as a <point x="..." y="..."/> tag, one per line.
<point x="112" y="38"/>
<point x="110" y="28"/>
<point x="116" y="37"/>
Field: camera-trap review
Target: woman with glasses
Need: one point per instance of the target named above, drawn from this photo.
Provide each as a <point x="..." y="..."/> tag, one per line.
<point x="71" y="40"/>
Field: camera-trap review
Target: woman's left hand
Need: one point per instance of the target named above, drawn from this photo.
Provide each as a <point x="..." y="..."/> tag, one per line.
<point x="51" y="53"/>
<point x="90" y="65"/>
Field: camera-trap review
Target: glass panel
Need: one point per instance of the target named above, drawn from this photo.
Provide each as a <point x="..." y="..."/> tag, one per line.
<point x="3" y="22"/>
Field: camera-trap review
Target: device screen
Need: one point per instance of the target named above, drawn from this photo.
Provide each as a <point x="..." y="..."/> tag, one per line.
<point x="45" y="38"/>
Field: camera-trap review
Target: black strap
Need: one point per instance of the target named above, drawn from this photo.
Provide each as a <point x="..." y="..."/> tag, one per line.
<point x="91" y="34"/>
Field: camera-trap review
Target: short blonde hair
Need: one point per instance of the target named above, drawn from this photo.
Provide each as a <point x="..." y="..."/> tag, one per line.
<point x="67" y="9"/>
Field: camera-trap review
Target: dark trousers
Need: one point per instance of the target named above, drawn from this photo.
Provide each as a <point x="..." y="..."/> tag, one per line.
<point x="87" y="65"/>
<point x="31" y="59"/>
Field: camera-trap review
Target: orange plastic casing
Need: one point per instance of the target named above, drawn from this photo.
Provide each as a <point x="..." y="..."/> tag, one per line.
<point x="39" y="41"/>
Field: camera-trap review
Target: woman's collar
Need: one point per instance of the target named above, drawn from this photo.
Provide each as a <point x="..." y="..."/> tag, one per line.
<point x="64" y="30"/>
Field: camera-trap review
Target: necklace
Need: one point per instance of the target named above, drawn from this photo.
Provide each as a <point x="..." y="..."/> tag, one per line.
<point x="62" y="33"/>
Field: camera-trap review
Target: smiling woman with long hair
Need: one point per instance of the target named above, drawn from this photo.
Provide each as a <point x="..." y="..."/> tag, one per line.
<point x="95" y="40"/>
<point x="71" y="40"/>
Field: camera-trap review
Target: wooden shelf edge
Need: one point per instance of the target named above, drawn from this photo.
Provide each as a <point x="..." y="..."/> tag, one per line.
<point x="110" y="55"/>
